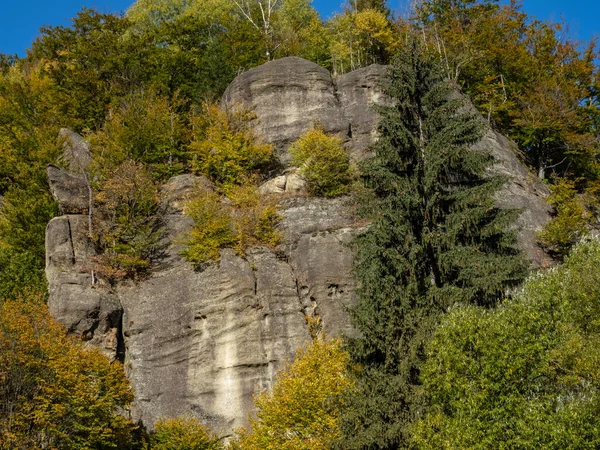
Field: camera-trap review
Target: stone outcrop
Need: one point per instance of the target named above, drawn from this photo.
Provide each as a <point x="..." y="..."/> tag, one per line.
<point x="291" y="95"/>
<point x="201" y="342"/>
<point x="522" y="191"/>
<point x="69" y="189"/>
<point x="358" y="91"/>
<point x="345" y="107"/>
<point x="76" y="151"/>
<point x="288" y="96"/>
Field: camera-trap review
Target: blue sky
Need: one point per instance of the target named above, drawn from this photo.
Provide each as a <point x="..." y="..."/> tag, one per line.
<point x="21" y="19"/>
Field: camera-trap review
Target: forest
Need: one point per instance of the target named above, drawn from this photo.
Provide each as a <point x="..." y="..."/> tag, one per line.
<point x="461" y="344"/>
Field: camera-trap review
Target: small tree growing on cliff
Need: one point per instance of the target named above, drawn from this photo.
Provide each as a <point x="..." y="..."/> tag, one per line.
<point x="437" y="239"/>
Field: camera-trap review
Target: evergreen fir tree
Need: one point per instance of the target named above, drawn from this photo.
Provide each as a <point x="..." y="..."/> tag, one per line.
<point x="436" y="240"/>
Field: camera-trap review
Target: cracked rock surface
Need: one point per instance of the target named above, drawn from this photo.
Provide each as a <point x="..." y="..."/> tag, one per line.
<point x="202" y="343"/>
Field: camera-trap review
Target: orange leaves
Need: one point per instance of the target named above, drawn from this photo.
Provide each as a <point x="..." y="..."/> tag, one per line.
<point x="55" y="393"/>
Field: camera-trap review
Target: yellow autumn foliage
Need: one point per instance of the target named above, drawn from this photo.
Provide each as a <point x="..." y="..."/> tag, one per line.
<point x="56" y="393"/>
<point x="301" y="412"/>
<point x="224" y="147"/>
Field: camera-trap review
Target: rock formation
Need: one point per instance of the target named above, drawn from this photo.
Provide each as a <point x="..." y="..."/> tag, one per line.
<point x="201" y="342"/>
<point x="291" y="95"/>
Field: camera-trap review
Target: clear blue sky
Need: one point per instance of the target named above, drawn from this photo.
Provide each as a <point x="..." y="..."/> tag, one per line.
<point x="21" y="19"/>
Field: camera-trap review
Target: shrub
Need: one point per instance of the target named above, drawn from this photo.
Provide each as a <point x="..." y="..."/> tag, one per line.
<point x="224" y="148"/>
<point x="255" y="217"/>
<point x="571" y="220"/>
<point x="183" y="434"/>
<point x="302" y="411"/>
<point x="323" y="163"/>
<point x="128" y="224"/>
<point x="213" y="228"/>
<point x="248" y="219"/>
<point x="524" y="375"/>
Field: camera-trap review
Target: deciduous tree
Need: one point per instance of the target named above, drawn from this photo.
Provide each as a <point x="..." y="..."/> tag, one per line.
<point x="524" y="375"/>
<point x="302" y="410"/>
<point x="56" y="393"/>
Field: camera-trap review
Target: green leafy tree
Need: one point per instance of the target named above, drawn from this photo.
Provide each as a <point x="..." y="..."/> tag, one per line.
<point x="91" y="65"/>
<point x="302" y="410"/>
<point x="323" y="162"/>
<point x="436" y="240"/>
<point x="300" y="31"/>
<point x="525" y="375"/>
<point x="7" y="61"/>
<point x="224" y="147"/>
<point x="571" y="222"/>
<point x="56" y="393"/>
<point x="377" y="5"/>
<point x="29" y="125"/>
<point x="527" y="76"/>
<point x="143" y="127"/>
<point x="361" y="38"/>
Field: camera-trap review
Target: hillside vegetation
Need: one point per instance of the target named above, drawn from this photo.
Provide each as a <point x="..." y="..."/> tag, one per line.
<point x="459" y="346"/>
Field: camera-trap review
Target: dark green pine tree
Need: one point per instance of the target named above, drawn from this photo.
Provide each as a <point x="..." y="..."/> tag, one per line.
<point x="436" y="240"/>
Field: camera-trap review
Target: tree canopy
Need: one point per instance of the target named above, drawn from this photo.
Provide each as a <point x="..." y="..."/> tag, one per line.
<point x="525" y="374"/>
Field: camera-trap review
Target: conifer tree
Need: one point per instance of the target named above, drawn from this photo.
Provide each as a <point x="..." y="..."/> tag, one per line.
<point x="436" y="240"/>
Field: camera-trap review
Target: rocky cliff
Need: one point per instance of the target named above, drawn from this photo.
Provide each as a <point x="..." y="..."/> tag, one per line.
<point x="201" y="343"/>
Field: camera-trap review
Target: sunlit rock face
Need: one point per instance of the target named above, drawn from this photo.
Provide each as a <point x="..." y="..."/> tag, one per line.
<point x="292" y="95"/>
<point x="200" y="343"/>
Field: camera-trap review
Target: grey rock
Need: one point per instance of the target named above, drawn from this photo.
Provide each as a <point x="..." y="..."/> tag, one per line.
<point x="522" y="191"/>
<point x="306" y="215"/>
<point x="359" y="91"/>
<point x="69" y="190"/>
<point x="322" y="264"/>
<point x="74" y="299"/>
<point x="201" y="343"/>
<point x="76" y="151"/>
<point x="177" y="190"/>
<point x="289" y="96"/>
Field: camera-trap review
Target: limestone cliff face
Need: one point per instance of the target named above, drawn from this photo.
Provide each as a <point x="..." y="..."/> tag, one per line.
<point x="201" y="343"/>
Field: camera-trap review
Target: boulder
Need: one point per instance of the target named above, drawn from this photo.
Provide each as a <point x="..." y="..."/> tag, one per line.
<point x="69" y="190"/>
<point x="76" y="151"/>
<point x="290" y="183"/>
<point x="289" y="96"/>
<point x="273" y="186"/>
